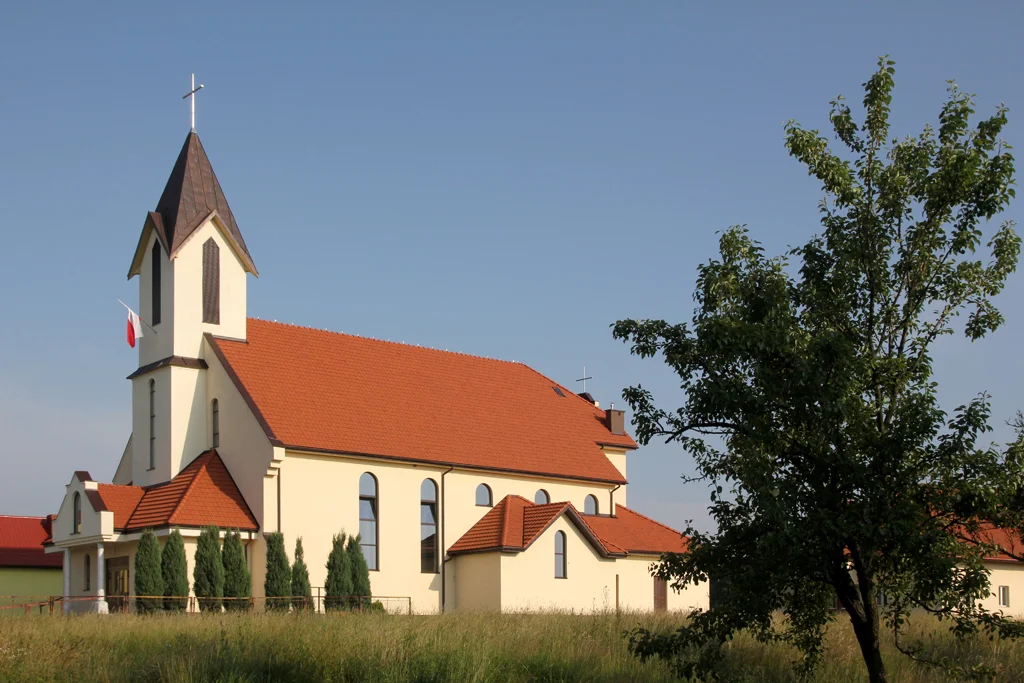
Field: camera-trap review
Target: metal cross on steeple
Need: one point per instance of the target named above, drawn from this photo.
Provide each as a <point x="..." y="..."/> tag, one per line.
<point x="192" y="94"/>
<point x="584" y="379"/>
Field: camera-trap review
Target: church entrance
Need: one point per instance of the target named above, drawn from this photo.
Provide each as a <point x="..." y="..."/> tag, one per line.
<point x="117" y="584"/>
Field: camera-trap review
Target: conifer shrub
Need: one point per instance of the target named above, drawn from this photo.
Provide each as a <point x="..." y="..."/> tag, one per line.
<point x="174" y="569"/>
<point x="300" y="578"/>
<point x="359" y="570"/>
<point x="338" y="586"/>
<point x="208" y="574"/>
<point x="149" y="580"/>
<point x="237" y="581"/>
<point x="278" y="584"/>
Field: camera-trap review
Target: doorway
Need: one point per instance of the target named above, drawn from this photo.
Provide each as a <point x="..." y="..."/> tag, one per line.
<point x="660" y="595"/>
<point x="117" y="584"/>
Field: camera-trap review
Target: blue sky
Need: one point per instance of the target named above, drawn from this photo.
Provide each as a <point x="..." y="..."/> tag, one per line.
<point x="500" y="181"/>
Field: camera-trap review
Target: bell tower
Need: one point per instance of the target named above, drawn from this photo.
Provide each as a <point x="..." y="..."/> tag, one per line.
<point x="192" y="263"/>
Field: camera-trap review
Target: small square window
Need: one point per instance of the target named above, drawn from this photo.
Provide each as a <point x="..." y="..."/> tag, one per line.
<point x="1004" y="596"/>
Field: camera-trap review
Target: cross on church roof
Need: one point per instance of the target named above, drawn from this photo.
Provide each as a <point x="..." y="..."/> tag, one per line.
<point x="192" y="94"/>
<point x="584" y="379"/>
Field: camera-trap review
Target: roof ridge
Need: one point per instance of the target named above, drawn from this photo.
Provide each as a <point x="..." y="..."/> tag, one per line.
<point x="653" y="521"/>
<point x="384" y="341"/>
<point x="24" y="516"/>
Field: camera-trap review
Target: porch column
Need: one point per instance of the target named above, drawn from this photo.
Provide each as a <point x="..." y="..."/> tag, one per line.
<point x="66" y="604"/>
<point x="101" y="581"/>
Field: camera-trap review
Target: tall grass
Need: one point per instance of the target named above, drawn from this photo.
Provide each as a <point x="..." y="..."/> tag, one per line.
<point x="374" y="647"/>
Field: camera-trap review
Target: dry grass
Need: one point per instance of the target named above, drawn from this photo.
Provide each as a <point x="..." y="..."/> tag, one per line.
<point x="463" y="648"/>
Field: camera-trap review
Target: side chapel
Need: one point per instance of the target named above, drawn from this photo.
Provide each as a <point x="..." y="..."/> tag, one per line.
<point x="475" y="484"/>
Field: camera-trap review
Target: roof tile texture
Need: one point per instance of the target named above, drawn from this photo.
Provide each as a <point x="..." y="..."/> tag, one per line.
<point x="336" y="392"/>
<point x="21" y="542"/>
<point x="202" y="494"/>
<point x="515" y="523"/>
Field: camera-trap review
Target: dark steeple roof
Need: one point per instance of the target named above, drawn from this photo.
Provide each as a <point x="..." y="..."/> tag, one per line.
<point x="191" y="194"/>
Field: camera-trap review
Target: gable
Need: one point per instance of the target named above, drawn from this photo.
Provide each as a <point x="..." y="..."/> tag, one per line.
<point x="335" y="393"/>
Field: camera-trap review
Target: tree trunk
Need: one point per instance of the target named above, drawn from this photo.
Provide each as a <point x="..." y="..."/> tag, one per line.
<point x="867" y="637"/>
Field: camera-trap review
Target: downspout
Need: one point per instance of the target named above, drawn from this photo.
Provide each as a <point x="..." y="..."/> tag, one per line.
<point x="444" y="520"/>
<point x="611" y="499"/>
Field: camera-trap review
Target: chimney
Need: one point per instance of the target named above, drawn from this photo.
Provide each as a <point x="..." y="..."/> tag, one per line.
<point x="616" y="421"/>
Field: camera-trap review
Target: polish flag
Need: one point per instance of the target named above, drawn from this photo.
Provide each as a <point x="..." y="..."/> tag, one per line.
<point x="134" y="327"/>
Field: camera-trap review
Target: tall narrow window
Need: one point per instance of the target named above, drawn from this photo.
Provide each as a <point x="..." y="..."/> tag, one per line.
<point x="428" y="527"/>
<point x="211" y="282"/>
<point x="155" y="282"/>
<point x="590" y="505"/>
<point x="76" y="511"/>
<point x="483" y="496"/>
<point x="152" y="424"/>
<point x="88" y="572"/>
<point x="1004" y="596"/>
<point x="560" y="572"/>
<point x="368" y="533"/>
<point x="541" y="497"/>
<point x="215" y="422"/>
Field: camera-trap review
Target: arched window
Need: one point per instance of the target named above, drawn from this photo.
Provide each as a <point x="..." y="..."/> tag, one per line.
<point x="88" y="572"/>
<point x="590" y="505"/>
<point x="368" y="532"/>
<point x="155" y="283"/>
<point x="152" y="424"/>
<point x="215" y="422"/>
<point x="211" y="282"/>
<point x="541" y="497"/>
<point x="76" y="511"/>
<point x="483" y="496"/>
<point x="428" y="527"/>
<point x="560" y="572"/>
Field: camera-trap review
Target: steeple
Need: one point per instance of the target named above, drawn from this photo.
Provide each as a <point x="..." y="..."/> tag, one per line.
<point x="191" y="196"/>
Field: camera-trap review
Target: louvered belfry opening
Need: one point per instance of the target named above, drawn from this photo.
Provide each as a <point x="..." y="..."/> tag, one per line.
<point x="211" y="282"/>
<point x="155" y="283"/>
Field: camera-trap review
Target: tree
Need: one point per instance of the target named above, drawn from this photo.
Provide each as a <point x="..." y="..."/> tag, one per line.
<point x="208" y="574"/>
<point x="339" y="574"/>
<point x="277" y="586"/>
<point x="300" y="577"/>
<point x="359" y="569"/>
<point x="149" y="580"/>
<point x="811" y="409"/>
<point x="174" y="570"/>
<point x="237" y="581"/>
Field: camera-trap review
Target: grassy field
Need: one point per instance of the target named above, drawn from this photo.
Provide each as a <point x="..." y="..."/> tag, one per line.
<point x="354" y="647"/>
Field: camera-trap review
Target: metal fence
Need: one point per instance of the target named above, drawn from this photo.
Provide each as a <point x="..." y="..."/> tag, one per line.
<point x="318" y="603"/>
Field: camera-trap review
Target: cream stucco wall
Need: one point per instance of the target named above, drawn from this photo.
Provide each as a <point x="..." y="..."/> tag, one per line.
<point x="142" y="474"/>
<point x="528" y="580"/>
<point x="157" y="341"/>
<point x="1006" y="574"/>
<point x="244" y="447"/>
<point x="320" y="497"/>
<point x="188" y="293"/>
<point x="476" y="579"/>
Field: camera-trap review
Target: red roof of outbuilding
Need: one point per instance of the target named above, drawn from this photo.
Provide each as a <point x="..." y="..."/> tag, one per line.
<point x="21" y="542"/>
<point x="515" y="523"/>
<point x="335" y="392"/>
<point x="202" y="494"/>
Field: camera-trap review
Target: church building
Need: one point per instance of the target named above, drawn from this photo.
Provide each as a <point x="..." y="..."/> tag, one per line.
<point x="475" y="484"/>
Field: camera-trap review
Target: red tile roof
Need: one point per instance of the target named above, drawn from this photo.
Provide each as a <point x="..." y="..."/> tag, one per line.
<point x="21" y="542"/>
<point x="515" y="523"/>
<point x="202" y="494"/>
<point x="636" y="533"/>
<point x="335" y="392"/>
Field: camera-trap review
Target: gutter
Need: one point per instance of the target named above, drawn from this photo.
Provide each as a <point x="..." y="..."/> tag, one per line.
<point x="444" y="519"/>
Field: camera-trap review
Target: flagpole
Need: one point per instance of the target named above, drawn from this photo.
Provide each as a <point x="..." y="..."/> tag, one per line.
<point x="140" y="317"/>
